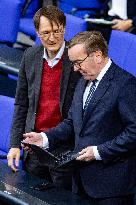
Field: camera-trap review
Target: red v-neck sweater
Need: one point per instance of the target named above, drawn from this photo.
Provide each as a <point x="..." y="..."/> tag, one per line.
<point x="48" y="111"/>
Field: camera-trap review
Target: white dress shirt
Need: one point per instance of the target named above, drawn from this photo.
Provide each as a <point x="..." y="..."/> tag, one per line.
<point x="54" y="61"/>
<point x="99" y="78"/>
<point x="119" y="8"/>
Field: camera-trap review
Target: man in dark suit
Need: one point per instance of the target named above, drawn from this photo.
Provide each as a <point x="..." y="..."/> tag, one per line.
<point x="103" y="119"/>
<point x="44" y="92"/>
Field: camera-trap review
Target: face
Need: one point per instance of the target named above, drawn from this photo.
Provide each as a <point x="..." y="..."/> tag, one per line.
<point x="52" y="37"/>
<point x="87" y="65"/>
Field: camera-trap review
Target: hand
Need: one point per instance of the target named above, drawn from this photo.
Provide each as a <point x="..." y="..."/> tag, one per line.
<point x="86" y="154"/>
<point x="14" y="154"/>
<point x="33" y="138"/>
<point x="122" y="25"/>
<point x="26" y="147"/>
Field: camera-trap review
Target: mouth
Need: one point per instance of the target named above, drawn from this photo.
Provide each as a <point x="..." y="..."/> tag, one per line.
<point x="52" y="44"/>
<point x="85" y="73"/>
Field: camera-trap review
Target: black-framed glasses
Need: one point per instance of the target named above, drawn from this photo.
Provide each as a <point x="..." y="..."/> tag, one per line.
<point x="78" y="63"/>
<point x="55" y="33"/>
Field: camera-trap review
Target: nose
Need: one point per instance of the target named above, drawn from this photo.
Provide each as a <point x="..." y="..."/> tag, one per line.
<point x="51" y="37"/>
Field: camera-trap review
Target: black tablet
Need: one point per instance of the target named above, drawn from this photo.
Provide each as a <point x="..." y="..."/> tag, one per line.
<point x="51" y="159"/>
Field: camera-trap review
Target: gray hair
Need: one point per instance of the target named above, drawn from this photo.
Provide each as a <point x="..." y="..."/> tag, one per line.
<point x="92" y="40"/>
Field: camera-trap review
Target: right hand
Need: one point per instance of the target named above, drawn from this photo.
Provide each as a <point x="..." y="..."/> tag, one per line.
<point x="13" y="154"/>
<point x="33" y="138"/>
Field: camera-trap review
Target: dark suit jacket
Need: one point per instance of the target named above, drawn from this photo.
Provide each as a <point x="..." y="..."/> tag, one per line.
<point x="28" y="89"/>
<point x="109" y="122"/>
<point x="131" y="9"/>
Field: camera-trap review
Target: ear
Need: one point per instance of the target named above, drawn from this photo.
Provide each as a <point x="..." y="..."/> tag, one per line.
<point x="99" y="59"/>
<point x="98" y="56"/>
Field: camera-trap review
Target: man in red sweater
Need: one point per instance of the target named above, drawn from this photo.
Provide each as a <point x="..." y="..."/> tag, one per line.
<point x="44" y="92"/>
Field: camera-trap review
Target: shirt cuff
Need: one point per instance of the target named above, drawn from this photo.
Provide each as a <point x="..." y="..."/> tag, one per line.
<point x="45" y="140"/>
<point x="96" y="153"/>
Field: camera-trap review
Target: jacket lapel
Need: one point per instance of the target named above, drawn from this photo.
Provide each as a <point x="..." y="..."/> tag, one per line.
<point x="79" y="102"/>
<point x="99" y="93"/>
<point x="66" y="70"/>
<point x="38" y="65"/>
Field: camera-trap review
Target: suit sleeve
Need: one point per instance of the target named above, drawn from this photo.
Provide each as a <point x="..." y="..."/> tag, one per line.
<point x="125" y="143"/>
<point x="62" y="133"/>
<point x="20" y="108"/>
<point x="134" y="21"/>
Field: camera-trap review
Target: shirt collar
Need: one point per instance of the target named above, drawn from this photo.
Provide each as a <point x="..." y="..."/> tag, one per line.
<point x="104" y="70"/>
<point x="59" y="54"/>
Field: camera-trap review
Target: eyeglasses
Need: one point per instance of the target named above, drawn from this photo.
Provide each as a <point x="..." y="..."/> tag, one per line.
<point x="47" y="34"/>
<point x="78" y="63"/>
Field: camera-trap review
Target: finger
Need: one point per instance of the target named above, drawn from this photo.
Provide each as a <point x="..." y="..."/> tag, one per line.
<point x="26" y="135"/>
<point x="30" y="139"/>
<point x="11" y="164"/>
<point x="17" y="160"/>
<point x="10" y="160"/>
<point x="29" y="135"/>
<point x="27" y="140"/>
<point x="81" y="157"/>
<point x="14" y="168"/>
<point x="83" y="151"/>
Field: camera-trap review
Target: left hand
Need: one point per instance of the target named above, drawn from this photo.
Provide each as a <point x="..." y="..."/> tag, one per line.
<point x="86" y="154"/>
<point x="122" y="25"/>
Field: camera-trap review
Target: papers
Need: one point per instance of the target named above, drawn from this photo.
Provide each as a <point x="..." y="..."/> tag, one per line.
<point x="99" y="21"/>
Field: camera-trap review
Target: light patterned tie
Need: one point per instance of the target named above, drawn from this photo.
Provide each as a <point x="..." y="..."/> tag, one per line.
<point x="90" y="94"/>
